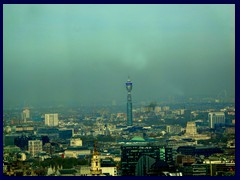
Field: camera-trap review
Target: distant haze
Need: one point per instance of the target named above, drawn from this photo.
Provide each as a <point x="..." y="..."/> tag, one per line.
<point x="85" y="53"/>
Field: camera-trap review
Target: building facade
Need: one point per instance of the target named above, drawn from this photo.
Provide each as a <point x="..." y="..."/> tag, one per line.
<point x="191" y="129"/>
<point x="75" y="142"/>
<point x="216" y="119"/>
<point x="130" y="155"/>
<point x="34" y="146"/>
<point x="51" y="119"/>
<point x="25" y="115"/>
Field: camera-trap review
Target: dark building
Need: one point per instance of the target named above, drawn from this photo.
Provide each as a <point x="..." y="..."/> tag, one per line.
<point x="200" y="169"/>
<point x="225" y="169"/>
<point x="186" y="150"/>
<point x="158" y="168"/>
<point x="166" y="155"/>
<point x="65" y="133"/>
<point x="192" y="150"/>
<point x="188" y="114"/>
<point x="132" y="153"/>
<point x="49" y="148"/>
<point x="144" y="165"/>
<point x="52" y="133"/>
<point x="10" y="139"/>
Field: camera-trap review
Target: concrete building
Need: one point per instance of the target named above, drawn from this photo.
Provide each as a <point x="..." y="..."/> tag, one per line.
<point x="76" y="152"/>
<point x="75" y="142"/>
<point x="215" y="119"/>
<point x="51" y="119"/>
<point x="84" y="170"/>
<point x="34" y="146"/>
<point x="108" y="167"/>
<point x="25" y="115"/>
<point x="173" y="129"/>
<point x="130" y="155"/>
<point x="191" y="129"/>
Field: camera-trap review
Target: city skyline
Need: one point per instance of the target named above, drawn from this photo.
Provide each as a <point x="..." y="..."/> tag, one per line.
<point x="84" y="53"/>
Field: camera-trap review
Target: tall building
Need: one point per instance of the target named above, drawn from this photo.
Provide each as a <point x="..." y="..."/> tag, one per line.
<point x="51" y="119"/>
<point x="130" y="155"/>
<point x="191" y="129"/>
<point x="34" y="146"/>
<point x="25" y="114"/>
<point x="166" y="154"/>
<point x="216" y="119"/>
<point x="129" y="102"/>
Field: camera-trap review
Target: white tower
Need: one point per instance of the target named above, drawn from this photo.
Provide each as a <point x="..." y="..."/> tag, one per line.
<point x="25" y="115"/>
<point x="95" y="163"/>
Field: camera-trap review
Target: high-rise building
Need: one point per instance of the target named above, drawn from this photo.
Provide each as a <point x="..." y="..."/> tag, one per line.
<point x="129" y="102"/>
<point x="130" y="155"/>
<point x="25" y="115"/>
<point x="34" y="146"/>
<point x="166" y="154"/>
<point x="51" y="119"/>
<point x="191" y="129"/>
<point x="216" y="119"/>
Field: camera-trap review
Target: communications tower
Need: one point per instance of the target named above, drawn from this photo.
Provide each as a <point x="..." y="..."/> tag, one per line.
<point x="129" y="102"/>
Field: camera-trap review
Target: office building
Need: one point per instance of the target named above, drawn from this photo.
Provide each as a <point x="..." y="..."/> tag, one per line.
<point x="173" y="129"/>
<point x="108" y="167"/>
<point x="76" y="152"/>
<point x="65" y="133"/>
<point x="25" y="115"/>
<point x="130" y="155"/>
<point x="216" y="119"/>
<point x="166" y="155"/>
<point x="34" y="147"/>
<point x="144" y="165"/>
<point x="51" y="119"/>
<point x="191" y="129"/>
<point x="75" y="142"/>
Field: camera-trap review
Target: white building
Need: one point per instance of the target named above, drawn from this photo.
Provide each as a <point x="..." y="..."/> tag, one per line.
<point x="51" y="119"/>
<point x="191" y="128"/>
<point x="191" y="132"/>
<point x="216" y="118"/>
<point x="157" y="109"/>
<point x="165" y="108"/>
<point x="34" y="146"/>
<point x="110" y="171"/>
<point x="74" y="142"/>
<point x="76" y="151"/>
<point x="25" y="115"/>
<point x="173" y="129"/>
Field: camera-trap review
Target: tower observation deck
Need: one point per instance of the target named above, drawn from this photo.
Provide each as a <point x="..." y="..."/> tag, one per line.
<point x="129" y="102"/>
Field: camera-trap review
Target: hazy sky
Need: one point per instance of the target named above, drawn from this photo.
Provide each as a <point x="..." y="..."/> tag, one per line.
<point x="85" y="53"/>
